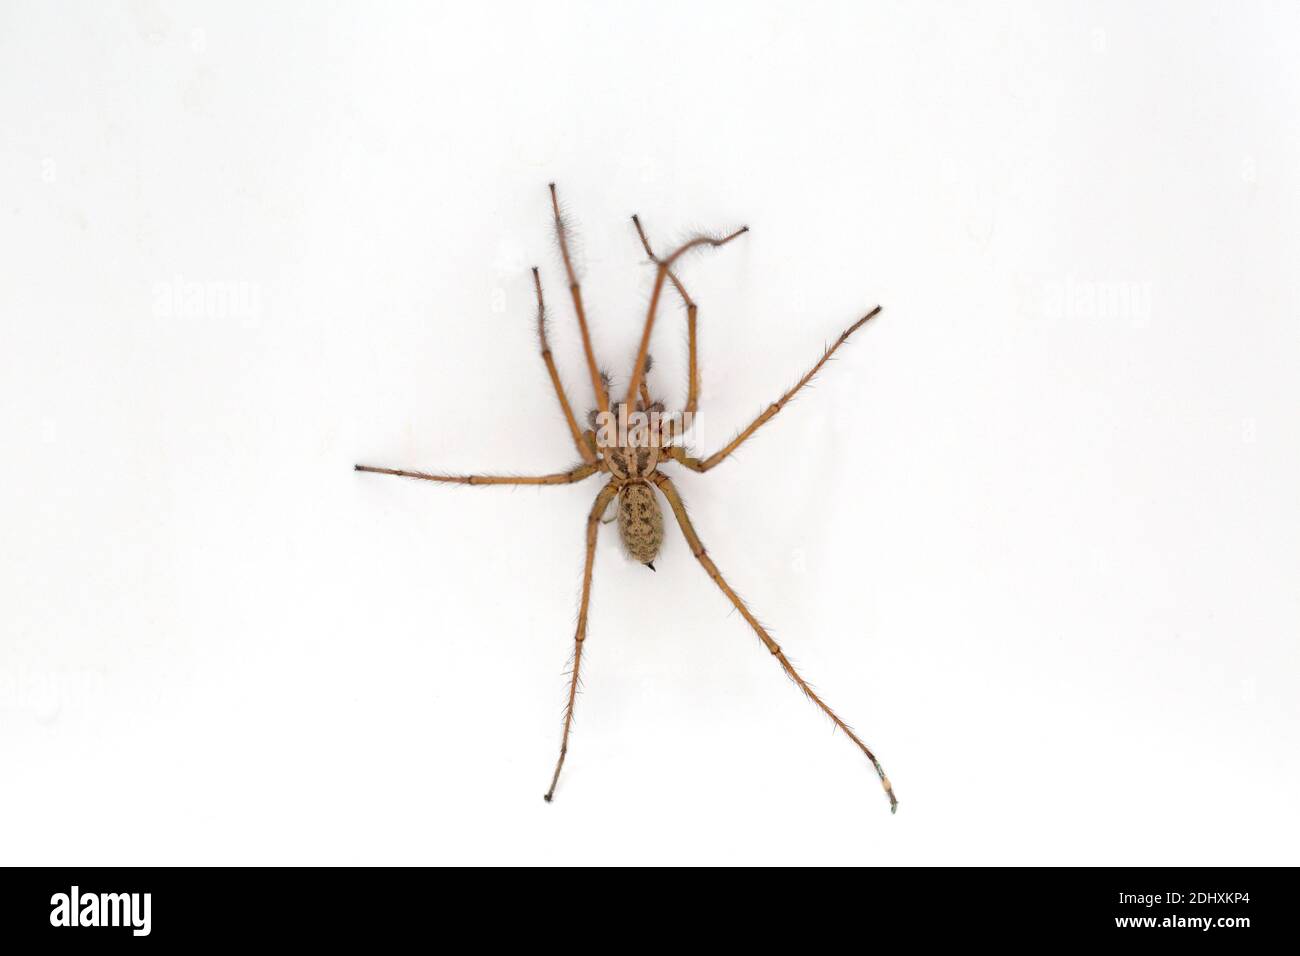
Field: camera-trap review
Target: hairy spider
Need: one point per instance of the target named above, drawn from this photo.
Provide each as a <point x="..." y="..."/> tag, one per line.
<point x="629" y="441"/>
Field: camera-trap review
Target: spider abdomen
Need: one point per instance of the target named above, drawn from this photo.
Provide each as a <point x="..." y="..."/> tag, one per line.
<point x="640" y="522"/>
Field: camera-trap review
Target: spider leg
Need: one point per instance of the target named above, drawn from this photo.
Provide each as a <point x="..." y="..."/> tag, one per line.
<point x="695" y="464"/>
<point x="584" y="449"/>
<point x="560" y="478"/>
<point x="665" y="266"/>
<point x="697" y="548"/>
<point x="693" y="379"/>
<point x="593" y="525"/>
<point x="609" y="519"/>
<point x="575" y="290"/>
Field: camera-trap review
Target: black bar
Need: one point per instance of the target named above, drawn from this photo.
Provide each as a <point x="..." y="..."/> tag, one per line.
<point x="383" y="907"/>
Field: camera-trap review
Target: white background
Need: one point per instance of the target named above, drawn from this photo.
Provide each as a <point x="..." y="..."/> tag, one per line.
<point x="1035" y="532"/>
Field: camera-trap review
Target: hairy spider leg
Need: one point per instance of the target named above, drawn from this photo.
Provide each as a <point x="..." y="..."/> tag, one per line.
<point x="575" y="290"/>
<point x="665" y="266"/>
<point x="697" y="548"/>
<point x="678" y="454"/>
<point x="580" y="635"/>
<point x="558" y="478"/>
<point x="588" y="455"/>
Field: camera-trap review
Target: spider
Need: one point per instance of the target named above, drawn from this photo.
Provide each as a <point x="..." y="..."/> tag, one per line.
<point x="628" y="441"/>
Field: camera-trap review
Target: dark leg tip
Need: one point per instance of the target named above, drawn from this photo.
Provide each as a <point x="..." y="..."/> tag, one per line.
<point x="546" y="797"/>
<point x="356" y="467"/>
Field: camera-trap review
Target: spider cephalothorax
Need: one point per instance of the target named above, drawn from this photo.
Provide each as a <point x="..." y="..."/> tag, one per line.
<point x="627" y="441"/>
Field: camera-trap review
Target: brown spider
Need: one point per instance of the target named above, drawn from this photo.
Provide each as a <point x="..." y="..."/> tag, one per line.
<point x="629" y="440"/>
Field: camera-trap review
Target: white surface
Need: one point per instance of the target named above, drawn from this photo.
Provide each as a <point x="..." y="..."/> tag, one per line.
<point x="1042" y="554"/>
